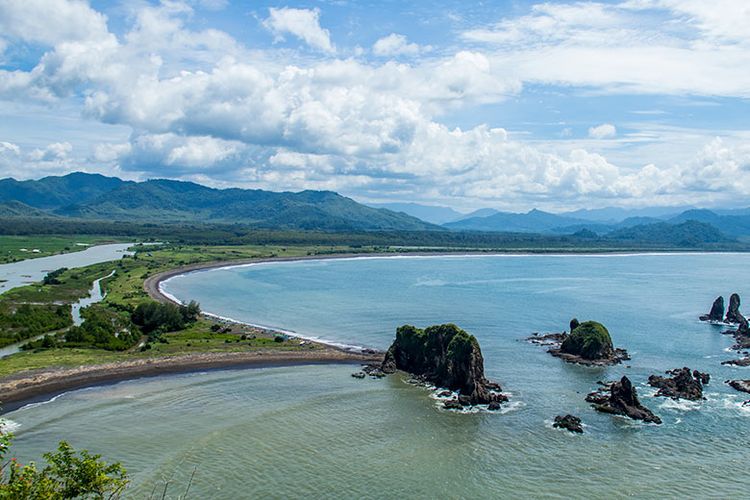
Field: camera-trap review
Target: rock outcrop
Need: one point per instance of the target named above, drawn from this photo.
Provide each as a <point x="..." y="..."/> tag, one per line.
<point x="733" y="313"/>
<point x="446" y="356"/>
<point x="621" y="398"/>
<point x="717" y="311"/>
<point x="683" y="384"/>
<point x="568" y="422"/>
<point x="588" y="343"/>
<point x="740" y="385"/>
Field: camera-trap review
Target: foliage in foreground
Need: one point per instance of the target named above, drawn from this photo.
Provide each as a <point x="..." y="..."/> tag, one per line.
<point x="68" y="474"/>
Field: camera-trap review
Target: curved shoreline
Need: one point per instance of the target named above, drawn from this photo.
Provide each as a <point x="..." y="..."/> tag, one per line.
<point x="39" y="385"/>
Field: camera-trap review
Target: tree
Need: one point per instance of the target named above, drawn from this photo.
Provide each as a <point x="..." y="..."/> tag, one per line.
<point x="68" y="474"/>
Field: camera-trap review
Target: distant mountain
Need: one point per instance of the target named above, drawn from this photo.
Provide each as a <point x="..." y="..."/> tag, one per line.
<point x="732" y="225"/>
<point x="482" y="212"/>
<point x="690" y="233"/>
<point x="430" y="213"/>
<point x="14" y="208"/>
<point x="54" y="192"/>
<point x="617" y="214"/>
<point x="535" y="221"/>
<point x="89" y="196"/>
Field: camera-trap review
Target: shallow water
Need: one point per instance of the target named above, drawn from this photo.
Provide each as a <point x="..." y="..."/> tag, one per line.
<point x="32" y="270"/>
<point x="315" y="431"/>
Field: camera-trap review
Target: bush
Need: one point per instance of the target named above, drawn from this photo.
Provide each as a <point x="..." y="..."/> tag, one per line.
<point x="279" y="338"/>
<point x="168" y="317"/>
<point x="68" y="474"/>
<point x="590" y="340"/>
<point x="52" y="277"/>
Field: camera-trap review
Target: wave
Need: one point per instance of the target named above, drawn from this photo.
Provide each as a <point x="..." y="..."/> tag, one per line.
<point x="41" y="403"/>
<point x="7" y="425"/>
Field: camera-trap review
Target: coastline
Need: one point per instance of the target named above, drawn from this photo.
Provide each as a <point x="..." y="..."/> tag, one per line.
<point x="38" y="385"/>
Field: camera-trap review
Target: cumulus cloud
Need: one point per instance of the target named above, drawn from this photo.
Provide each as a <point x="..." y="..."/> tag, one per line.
<point x="54" y="158"/>
<point x="55" y="152"/>
<point x="51" y="22"/>
<point x="603" y="131"/>
<point x="302" y="23"/>
<point x="203" y="106"/>
<point x="396" y="45"/>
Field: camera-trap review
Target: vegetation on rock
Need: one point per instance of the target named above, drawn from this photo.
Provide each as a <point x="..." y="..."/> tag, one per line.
<point x="444" y="355"/>
<point x="589" y="340"/>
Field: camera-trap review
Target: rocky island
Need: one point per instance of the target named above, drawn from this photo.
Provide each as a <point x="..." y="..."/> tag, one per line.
<point x="733" y="312"/>
<point x="739" y="385"/>
<point x="588" y="343"/>
<point x="568" y="422"/>
<point x="717" y="311"/>
<point x="683" y="384"/>
<point x="621" y="398"/>
<point x="447" y="357"/>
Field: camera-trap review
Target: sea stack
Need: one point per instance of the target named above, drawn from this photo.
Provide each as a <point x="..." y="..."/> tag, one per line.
<point x="717" y="311"/>
<point x="621" y="398"/>
<point x="588" y="343"/>
<point x="683" y="384"/>
<point x="446" y="356"/>
<point x="733" y="313"/>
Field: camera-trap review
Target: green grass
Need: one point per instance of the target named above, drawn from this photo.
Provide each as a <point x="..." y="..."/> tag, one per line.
<point x="15" y="248"/>
<point x="125" y="291"/>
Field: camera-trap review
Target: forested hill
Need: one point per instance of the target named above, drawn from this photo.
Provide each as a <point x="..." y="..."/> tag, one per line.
<point x="92" y="196"/>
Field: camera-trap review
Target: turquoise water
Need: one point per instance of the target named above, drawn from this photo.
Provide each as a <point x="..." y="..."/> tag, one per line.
<point x="315" y="431"/>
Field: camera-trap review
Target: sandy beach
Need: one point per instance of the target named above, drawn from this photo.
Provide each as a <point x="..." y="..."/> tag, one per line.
<point x="36" y="385"/>
<point x="30" y="386"/>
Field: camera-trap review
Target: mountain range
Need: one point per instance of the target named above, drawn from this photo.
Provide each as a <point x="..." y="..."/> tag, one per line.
<point x="82" y="196"/>
<point x="93" y="196"/>
<point x="733" y="223"/>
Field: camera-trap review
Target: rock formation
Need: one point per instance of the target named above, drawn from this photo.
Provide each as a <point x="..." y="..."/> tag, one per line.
<point x="683" y="384"/>
<point x="569" y="422"/>
<point x="588" y="343"/>
<point x="621" y="398"/>
<point x="740" y="385"/>
<point x="446" y="356"/>
<point x="733" y="313"/>
<point x="717" y="311"/>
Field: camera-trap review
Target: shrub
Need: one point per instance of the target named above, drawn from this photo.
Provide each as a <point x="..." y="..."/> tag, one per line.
<point x="589" y="340"/>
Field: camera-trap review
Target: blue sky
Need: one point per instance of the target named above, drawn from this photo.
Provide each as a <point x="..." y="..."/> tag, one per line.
<point x="512" y="105"/>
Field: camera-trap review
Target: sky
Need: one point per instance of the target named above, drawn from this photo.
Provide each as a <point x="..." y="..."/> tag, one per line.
<point x="507" y="104"/>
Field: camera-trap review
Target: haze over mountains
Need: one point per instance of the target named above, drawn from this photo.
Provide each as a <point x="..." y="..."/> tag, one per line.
<point x="96" y="197"/>
<point x="732" y="222"/>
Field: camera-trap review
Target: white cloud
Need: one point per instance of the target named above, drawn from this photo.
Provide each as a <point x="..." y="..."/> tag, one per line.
<point x="55" y="152"/>
<point x="396" y="45"/>
<point x="203" y="106"/>
<point x="603" y="131"/>
<point x="302" y="23"/>
<point x="690" y="47"/>
<point x="51" y="22"/>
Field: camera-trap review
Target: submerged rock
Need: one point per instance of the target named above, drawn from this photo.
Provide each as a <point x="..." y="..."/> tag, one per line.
<point x="589" y="343"/>
<point x="446" y="356"/>
<point x="737" y="362"/>
<point x="568" y="422"/>
<point x="733" y="313"/>
<point x="683" y="384"/>
<point x="621" y="398"/>
<point x="740" y="385"/>
<point x="717" y="311"/>
<point x="358" y="374"/>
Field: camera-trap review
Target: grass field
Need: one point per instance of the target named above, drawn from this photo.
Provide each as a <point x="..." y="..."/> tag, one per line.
<point x="124" y="291"/>
<point x="15" y="248"/>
